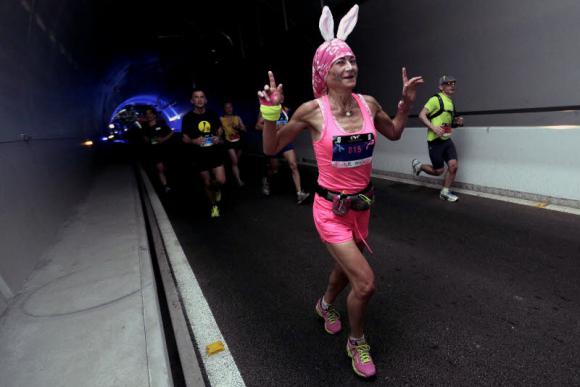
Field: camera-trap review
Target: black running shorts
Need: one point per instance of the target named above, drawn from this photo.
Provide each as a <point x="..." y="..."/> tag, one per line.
<point x="441" y="151"/>
<point x="210" y="157"/>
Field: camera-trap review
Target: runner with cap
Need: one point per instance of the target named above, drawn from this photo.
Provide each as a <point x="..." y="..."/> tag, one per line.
<point x="440" y="118"/>
<point x="343" y="127"/>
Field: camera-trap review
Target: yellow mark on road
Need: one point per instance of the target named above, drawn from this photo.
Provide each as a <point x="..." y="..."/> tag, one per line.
<point x="214" y="348"/>
<point x="542" y="205"/>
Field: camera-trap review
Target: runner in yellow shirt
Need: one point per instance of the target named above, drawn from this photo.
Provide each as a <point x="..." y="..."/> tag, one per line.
<point x="233" y="126"/>
<point x="440" y="118"/>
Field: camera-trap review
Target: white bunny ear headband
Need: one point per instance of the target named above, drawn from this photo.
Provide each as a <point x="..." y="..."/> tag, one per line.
<point x="347" y="24"/>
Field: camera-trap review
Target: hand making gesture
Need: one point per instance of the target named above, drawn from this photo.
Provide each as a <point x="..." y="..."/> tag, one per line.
<point x="271" y="95"/>
<point x="409" y="86"/>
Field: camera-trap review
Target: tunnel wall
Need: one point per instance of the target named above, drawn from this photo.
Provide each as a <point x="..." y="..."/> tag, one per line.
<point x="506" y="54"/>
<point x="44" y="98"/>
<point x="524" y="161"/>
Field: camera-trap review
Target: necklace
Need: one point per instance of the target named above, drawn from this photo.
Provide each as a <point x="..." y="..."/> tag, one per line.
<point x="348" y="111"/>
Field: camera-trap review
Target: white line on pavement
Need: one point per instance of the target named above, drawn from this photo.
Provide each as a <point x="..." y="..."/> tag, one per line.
<point x="221" y="368"/>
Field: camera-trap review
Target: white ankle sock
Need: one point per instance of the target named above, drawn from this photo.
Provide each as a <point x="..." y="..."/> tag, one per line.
<point x="357" y="340"/>
<point x="324" y="304"/>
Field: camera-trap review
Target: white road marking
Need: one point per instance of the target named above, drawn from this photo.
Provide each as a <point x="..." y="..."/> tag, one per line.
<point x="221" y="368"/>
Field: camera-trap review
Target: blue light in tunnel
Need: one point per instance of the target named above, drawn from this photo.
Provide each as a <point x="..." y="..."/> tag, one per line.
<point x="168" y="112"/>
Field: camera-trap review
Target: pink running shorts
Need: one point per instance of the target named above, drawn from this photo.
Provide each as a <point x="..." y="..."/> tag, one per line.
<point x="335" y="229"/>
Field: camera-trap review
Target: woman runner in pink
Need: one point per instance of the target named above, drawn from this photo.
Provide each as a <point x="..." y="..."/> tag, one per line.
<point x="343" y="127"/>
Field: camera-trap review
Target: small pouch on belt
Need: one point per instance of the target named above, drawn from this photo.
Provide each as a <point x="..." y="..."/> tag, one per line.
<point x="341" y="204"/>
<point x="363" y="201"/>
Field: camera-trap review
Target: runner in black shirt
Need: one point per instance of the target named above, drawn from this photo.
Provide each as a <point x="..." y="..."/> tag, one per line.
<point x="202" y="128"/>
<point x="157" y="135"/>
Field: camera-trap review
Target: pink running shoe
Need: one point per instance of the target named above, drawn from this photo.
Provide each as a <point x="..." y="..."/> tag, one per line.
<point x="362" y="362"/>
<point x="331" y="318"/>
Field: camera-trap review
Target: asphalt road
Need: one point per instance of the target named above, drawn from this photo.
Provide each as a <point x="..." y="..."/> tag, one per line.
<point x="477" y="292"/>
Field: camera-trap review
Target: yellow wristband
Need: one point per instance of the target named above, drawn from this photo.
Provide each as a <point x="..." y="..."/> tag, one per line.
<point x="271" y="113"/>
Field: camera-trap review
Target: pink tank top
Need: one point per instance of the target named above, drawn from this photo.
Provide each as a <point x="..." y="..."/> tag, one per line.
<point x="344" y="158"/>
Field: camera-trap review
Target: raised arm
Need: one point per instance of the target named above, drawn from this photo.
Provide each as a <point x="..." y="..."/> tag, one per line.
<point x="271" y="98"/>
<point x="393" y="128"/>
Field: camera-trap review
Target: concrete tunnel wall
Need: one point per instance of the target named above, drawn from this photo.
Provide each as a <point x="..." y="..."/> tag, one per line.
<point x="44" y="97"/>
<point x="492" y="160"/>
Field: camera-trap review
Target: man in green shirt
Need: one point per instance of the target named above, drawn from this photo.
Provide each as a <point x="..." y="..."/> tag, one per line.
<point x="440" y="118"/>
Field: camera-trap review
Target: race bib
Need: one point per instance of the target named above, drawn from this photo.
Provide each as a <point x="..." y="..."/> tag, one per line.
<point x="447" y="131"/>
<point x="283" y="120"/>
<point x="207" y="141"/>
<point x="352" y="150"/>
<point x="233" y="137"/>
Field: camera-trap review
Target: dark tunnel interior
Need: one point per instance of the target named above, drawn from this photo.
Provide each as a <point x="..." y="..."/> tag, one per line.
<point x="220" y="46"/>
<point x="158" y="53"/>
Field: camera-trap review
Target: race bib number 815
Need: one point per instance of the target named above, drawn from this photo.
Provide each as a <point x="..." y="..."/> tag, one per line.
<point x="352" y="150"/>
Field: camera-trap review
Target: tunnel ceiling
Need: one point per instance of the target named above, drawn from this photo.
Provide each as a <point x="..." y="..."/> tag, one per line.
<point x="223" y="46"/>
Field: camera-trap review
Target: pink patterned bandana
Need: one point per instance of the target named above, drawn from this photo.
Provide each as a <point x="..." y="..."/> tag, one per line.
<point x="326" y="54"/>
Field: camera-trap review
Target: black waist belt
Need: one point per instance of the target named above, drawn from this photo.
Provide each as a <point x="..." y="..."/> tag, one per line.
<point x="359" y="201"/>
<point x="325" y="192"/>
